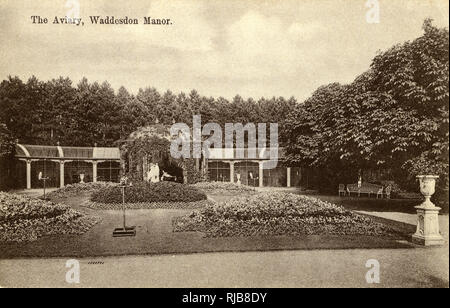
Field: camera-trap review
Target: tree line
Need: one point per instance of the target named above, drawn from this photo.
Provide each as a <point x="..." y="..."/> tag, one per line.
<point x="48" y="112"/>
<point x="394" y="116"/>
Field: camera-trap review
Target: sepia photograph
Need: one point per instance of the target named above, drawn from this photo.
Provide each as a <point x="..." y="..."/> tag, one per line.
<point x="224" y="151"/>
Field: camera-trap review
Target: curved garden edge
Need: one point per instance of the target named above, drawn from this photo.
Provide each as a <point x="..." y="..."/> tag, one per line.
<point x="281" y="214"/>
<point x="146" y="205"/>
<point x="149" y="243"/>
<point x="24" y="219"/>
<point x="155" y="237"/>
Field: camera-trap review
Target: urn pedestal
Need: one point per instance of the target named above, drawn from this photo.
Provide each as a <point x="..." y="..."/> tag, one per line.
<point x="427" y="232"/>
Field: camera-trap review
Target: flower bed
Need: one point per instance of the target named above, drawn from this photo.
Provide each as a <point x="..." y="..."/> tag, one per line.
<point x="148" y="205"/>
<point x="223" y="187"/>
<point x="27" y="219"/>
<point x="79" y="188"/>
<point x="149" y="192"/>
<point x="277" y="214"/>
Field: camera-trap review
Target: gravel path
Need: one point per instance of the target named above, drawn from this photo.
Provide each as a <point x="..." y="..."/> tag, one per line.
<point x="308" y="268"/>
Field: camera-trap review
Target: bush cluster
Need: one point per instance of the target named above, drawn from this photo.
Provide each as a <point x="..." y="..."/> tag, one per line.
<point x="222" y="187"/>
<point x="149" y="192"/>
<point x="27" y="219"/>
<point x="277" y="214"/>
<point x="78" y="188"/>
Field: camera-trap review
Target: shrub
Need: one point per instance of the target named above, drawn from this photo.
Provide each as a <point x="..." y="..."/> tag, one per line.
<point x="222" y="187"/>
<point x="277" y="214"/>
<point x="78" y="188"/>
<point x="149" y="205"/>
<point x="27" y="219"/>
<point x="149" y="192"/>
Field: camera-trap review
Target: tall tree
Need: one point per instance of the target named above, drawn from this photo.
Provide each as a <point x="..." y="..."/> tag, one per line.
<point x="393" y="116"/>
<point x="14" y="110"/>
<point x="60" y="104"/>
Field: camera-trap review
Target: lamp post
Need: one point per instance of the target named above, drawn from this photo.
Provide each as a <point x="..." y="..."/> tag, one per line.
<point x="427" y="232"/>
<point x="124" y="231"/>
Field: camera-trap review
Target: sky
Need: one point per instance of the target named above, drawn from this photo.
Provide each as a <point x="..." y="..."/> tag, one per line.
<point x="218" y="47"/>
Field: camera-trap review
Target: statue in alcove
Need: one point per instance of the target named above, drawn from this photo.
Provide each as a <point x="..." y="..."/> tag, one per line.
<point x="153" y="173"/>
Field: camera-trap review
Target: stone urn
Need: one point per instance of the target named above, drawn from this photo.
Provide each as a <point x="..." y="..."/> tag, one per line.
<point x="82" y="178"/>
<point x="427" y="232"/>
<point x="427" y="188"/>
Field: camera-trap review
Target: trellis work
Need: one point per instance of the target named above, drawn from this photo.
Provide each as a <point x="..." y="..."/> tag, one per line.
<point x="63" y="155"/>
<point x="224" y="165"/>
<point x="136" y="154"/>
<point x="151" y="145"/>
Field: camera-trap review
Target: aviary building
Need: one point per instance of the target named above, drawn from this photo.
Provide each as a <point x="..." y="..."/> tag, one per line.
<point x="63" y="165"/>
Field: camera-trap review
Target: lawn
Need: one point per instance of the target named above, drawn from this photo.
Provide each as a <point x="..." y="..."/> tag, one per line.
<point x="373" y="204"/>
<point x="155" y="236"/>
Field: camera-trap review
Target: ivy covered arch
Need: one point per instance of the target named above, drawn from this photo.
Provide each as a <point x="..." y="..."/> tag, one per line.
<point x="151" y="144"/>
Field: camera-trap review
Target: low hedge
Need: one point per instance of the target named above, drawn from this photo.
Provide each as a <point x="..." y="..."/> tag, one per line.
<point x="278" y="214"/>
<point x="148" y="205"/>
<point x="78" y="188"/>
<point x="26" y="219"/>
<point x="223" y="187"/>
<point x="149" y="192"/>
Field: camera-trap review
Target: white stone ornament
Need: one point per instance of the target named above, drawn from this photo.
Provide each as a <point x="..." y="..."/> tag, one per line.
<point x="427" y="232"/>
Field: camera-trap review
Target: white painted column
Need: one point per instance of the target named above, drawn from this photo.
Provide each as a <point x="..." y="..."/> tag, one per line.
<point x="61" y="173"/>
<point x="261" y="174"/>
<point x="197" y="164"/>
<point x="288" y="176"/>
<point x="28" y="161"/>
<point x="94" y="171"/>
<point x="231" y="171"/>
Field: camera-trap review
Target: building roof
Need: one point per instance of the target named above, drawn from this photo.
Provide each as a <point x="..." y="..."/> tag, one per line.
<point x="63" y="152"/>
<point x="244" y="153"/>
<point x="101" y="153"/>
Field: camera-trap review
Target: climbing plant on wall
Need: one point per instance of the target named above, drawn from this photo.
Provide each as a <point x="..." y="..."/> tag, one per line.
<point x="152" y="145"/>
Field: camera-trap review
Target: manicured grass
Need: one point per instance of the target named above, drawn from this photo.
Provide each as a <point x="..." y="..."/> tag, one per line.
<point x="155" y="236"/>
<point x="373" y="204"/>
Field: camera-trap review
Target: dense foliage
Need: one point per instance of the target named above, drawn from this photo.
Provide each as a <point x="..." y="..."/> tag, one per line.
<point x="38" y="112"/>
<point x="6" y="156"/>
<point x="394" y="116"/>
<point x="149" y="192"/>
<point x="151" y="144"/>
<point x="27" y="219"/>
<point x="223" y="187"/>
<point x="277" y="214"/>
<point x="6" y="141"/>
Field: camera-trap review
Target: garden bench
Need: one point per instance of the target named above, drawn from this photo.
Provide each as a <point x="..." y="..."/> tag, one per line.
<point x="366" y="188"/>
